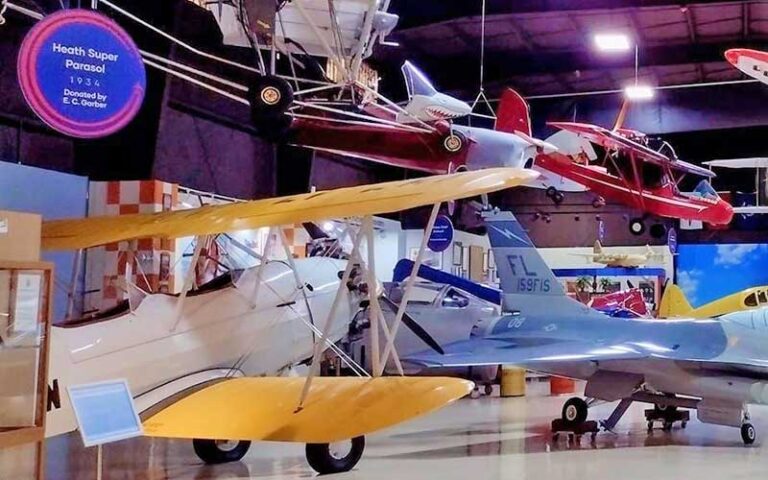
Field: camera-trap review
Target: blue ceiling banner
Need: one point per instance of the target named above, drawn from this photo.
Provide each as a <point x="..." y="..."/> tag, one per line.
<point x="442" y="234"/>
<point x="81" y="73"/>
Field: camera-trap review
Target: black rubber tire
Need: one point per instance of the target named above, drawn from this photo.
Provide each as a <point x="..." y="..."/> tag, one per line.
<point x="453" y="143"/>
<point x="558" y="198"/>
<point x="209" y="451"/>
<point x="269" y="96"/>
<point x="551" y="191"/>
<point x="488" y="390"/>
<point x="637" y="226"/>
<point x="598" y="202"/>
<point x="323" y="462"/>
<point x="658" y="230"/>
<point x="748" y="434"/>
<point x="273" y="128"/>
<point x="575" y="411"/>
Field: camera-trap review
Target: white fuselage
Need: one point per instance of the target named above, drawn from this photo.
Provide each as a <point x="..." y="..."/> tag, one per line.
<point x="161" y="349"/>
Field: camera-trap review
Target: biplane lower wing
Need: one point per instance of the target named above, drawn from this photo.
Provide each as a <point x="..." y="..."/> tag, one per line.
<point x="614" y="141"/>
<point x="337" y="408"/>
<point x="343" y="202"/>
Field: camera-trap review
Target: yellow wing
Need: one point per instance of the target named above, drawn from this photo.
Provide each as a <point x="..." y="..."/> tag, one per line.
<point x="343" y="202"/>
<point x="336" y="408"/>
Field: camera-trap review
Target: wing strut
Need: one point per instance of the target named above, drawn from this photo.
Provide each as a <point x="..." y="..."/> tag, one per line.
<point x="315" y="365"/>
<point x="189" y="280"/>
<point x="390" y="346"/>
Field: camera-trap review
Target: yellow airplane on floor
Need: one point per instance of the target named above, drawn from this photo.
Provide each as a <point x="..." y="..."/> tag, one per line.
<point x="675" y="304"/>
<point x="196" y="362"/>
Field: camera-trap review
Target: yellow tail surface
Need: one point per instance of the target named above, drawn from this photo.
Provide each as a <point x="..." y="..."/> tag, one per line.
<point x="674" y="303"/>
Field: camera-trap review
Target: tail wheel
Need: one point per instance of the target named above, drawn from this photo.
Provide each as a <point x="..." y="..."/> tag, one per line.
<point x="335" y="457"/>
<point x="454" y="142"/>
<point x="637" y="226"/>
<point x="598" y="202"/>
<point x="575" y="411"/>
<point x="558" y="198"/>
<point x="551" y="191"/>
<point x="269" y="96"/>
<point x="220" y="451"/>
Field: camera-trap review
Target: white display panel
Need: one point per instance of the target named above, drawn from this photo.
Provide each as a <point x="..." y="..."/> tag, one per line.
<point x="105" y="412"/>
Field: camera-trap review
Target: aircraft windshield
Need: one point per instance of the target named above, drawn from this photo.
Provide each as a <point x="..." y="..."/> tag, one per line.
<point x="416" y="82"/>
<point x="705" y="190"/>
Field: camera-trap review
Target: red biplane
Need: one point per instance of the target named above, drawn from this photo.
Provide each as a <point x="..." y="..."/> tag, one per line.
<point x="633" y="173"/>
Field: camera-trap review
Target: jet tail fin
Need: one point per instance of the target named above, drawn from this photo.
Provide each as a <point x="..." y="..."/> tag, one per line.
<point x="674" y="303"/>
<point x="527" y="283"/>
<point x="513" y="114"/>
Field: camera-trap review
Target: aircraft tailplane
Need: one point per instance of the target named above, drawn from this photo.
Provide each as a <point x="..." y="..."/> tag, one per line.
<point x="674" y="303"/>
<point x="527" y="283"/>
<point x="513" y="114"/>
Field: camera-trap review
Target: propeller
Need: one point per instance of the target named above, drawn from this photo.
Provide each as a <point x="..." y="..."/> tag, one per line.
<point x="413" y="326"/>
<point x="323" y="244"/>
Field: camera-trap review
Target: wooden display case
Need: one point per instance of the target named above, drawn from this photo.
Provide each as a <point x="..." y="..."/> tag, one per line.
<point x="25" y="312"/>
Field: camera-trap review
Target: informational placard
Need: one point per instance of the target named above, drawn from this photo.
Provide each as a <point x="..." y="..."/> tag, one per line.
<point x="105" y="412"/>
<point x="442" y="234"/>
<point x="81" y="73"/>
<point x="26" y="312"/>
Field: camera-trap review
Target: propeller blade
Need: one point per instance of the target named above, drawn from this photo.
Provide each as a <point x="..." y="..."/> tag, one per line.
<point x="413" y="326"/>
<point x="314" y="231"/>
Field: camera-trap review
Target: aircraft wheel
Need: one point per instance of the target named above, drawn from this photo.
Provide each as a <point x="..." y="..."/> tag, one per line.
<point x="489" y="390"/>
<point x="220" y="451"/>
<point x="551" y="191"/>
<point x="637" y="226"/>
<point x="575" y="411"/>
<point x="598" y="202"/>
<point x="454" y="142"/>
<point x="748" y="434"/>
<point x="273" y="127"/>
<point x="269" y="96"/>
<point x="335" y="457"/>
<point x="558" y="198"/>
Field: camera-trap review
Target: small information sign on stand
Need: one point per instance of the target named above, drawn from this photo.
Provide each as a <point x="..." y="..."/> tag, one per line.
<point x="105" y="413"/>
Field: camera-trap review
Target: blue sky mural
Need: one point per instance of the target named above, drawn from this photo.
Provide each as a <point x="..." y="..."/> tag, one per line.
<point x="707" y="272"/>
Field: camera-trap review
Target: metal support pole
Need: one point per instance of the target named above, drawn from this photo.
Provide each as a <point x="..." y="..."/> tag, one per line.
<point x="409" y="284"/>
<point x="618" y="412"/>
<point x="374" y="309"/>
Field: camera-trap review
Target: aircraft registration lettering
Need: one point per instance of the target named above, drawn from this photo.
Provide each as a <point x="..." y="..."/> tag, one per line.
<point x="533" y="285"/>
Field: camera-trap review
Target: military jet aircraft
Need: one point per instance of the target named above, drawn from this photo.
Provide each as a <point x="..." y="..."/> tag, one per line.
<point x="717" y="366"/>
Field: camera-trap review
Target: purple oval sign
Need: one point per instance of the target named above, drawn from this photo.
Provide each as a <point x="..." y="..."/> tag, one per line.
<point x="81" y="73"/>
<point x="442" y="234"/>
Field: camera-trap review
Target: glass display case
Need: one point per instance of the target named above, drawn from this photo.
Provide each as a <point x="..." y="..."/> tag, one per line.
<point x="25" y="292"/>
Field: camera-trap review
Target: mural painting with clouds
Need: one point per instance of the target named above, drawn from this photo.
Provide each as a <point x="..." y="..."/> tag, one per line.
<point x="707" y="272"/>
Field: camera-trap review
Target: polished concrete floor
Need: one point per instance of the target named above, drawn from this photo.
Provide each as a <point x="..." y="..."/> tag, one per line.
<point x="486" y="438"/>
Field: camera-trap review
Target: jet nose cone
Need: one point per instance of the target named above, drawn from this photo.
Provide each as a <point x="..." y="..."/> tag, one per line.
<point x="733" y="55"/>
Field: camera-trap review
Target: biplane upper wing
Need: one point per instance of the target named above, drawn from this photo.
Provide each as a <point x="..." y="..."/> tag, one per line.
<point x="336" y="408"/>
<point x="343" y="202"/>
<point x="614" y="141"/>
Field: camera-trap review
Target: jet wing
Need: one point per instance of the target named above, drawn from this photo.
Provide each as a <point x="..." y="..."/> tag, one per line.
<point x="336" y="408"/>
<point x="343" y="202"/>
<point x="503" y="352"/>
<point x="613" y="141"/>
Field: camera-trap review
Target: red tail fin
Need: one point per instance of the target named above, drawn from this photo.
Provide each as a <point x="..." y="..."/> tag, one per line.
<point x="513" y="114"/>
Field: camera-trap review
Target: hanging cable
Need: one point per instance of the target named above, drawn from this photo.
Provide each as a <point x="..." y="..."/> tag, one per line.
<point x="481" y="93"/>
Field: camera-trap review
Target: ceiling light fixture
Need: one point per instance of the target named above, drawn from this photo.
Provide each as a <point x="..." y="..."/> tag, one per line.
<point x="639" y="92"/>
<point x="612" y="42"/>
